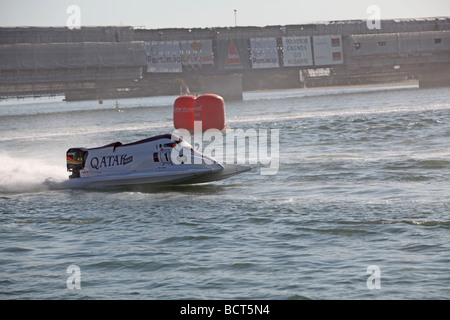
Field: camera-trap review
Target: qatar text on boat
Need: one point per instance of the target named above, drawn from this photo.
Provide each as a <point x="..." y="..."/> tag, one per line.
<point x="160" y="159"/>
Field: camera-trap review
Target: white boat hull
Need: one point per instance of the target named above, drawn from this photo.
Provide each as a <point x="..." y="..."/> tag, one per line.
<point x="147" y="162"/>
<point x="143" y="179"/>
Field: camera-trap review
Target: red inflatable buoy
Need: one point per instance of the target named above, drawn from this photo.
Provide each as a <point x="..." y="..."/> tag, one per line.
<point x="210" y="110"/>
<point x="183" y="112"/>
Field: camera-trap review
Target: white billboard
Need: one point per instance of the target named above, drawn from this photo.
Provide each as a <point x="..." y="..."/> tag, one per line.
<point x="196" y="53"/>
<point x="163" y="56"/>
<point x="264" y="53"/>
<point x="297" y="51"/>
<point x="327" y="50"/>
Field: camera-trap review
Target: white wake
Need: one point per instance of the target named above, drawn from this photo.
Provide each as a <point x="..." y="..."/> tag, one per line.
<point x="21" y="174"/>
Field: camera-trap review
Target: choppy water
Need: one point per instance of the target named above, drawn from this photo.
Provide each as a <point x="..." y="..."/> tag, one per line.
<point x="363" y="181"/>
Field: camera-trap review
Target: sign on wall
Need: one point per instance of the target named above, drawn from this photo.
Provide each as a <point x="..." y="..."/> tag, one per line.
<point x="264" y="53"/>
<point x="327" y="50"/>
<point x="297" y="51"/>
<point x="232" y="54"/>
<point x="163" y="56"/>
<point x="196" y="53"/>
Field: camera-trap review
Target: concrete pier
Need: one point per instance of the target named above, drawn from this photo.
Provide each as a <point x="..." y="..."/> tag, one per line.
<point x="435" y="78"/>
<point x="119" y="62"/>
<point x="228" y="86"/>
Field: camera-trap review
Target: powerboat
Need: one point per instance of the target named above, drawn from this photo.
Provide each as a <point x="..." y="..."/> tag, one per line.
<point x="162" y="159"/>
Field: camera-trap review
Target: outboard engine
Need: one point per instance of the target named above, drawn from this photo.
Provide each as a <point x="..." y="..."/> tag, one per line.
<point x="76" y="158"/>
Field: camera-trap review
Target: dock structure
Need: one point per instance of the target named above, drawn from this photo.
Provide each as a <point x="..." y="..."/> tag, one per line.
<point x="115" y="62"/>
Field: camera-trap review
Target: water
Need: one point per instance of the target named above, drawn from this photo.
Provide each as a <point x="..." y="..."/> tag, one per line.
<point x="363" y="183"/>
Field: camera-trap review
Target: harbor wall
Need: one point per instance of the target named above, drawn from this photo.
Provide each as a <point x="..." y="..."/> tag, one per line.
<point x="125" y="61"/>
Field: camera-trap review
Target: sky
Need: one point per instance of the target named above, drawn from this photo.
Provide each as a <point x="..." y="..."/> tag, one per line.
<point x="161" y="14"/>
